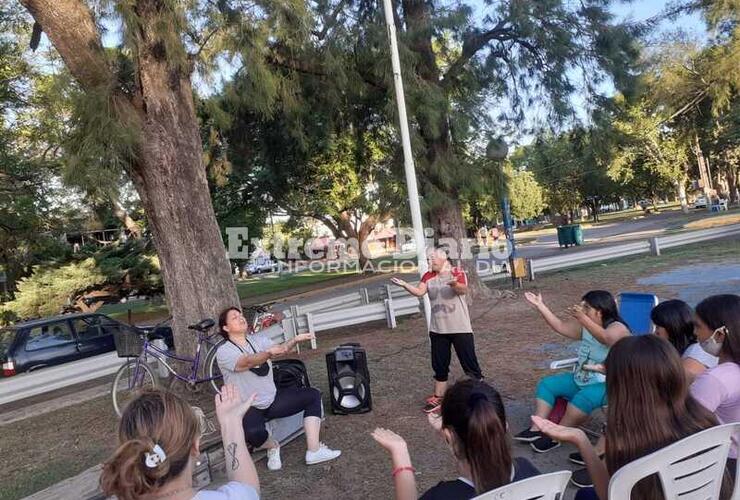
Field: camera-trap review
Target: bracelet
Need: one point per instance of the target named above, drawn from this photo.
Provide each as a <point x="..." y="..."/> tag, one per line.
<point x="401" y="469"/>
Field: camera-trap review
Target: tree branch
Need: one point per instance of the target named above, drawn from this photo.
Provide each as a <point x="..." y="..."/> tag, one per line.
<point x="70" y="26"/>
<point x="332" y="21"/>
<point x="474" y="42"/>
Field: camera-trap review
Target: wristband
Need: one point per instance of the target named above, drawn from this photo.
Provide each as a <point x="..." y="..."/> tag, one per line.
<point x="401" y="469"/>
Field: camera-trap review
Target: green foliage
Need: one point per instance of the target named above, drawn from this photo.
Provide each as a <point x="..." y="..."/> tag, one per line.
<point x="119" y="270"/>
<point x="525" y="194"/>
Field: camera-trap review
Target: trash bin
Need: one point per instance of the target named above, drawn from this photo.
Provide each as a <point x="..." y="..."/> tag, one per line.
<point x="577" y="232"/>
<point x="565" y="236"/>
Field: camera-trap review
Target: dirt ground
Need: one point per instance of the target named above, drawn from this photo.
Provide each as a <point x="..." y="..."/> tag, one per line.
<point x="514" y="347"/>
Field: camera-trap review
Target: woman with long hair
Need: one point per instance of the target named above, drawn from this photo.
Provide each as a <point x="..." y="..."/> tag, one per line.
<point x="718" y="389"/>
<point x="597" y="324"/>
<point x="649" y="408"/>
<point x="473" y="424"/>
<point x="158" y="443"/>
<point x="245" y="361"/>
<point x="674" y="321"/>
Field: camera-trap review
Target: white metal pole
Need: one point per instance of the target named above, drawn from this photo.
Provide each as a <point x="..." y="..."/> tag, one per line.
<point x="408" y="158"/>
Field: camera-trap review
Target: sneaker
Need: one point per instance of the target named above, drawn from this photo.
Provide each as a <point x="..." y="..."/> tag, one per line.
<point x="544" y="444"/>
<point x="273" y="459"/>
<point x="581" y="478"/>
<point x="577" y="459"/>
<point x="433" y="404"/>
<point x="528" y="436"/>
<point x="323" y="454"/>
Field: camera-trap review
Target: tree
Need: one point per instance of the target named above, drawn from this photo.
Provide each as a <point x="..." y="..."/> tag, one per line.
<point x="456" y="65"/>
<point x="145" y="112"/>
<point x="526" y="195"/>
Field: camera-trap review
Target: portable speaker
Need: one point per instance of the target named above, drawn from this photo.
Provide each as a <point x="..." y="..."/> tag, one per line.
<point x="349" y="380"/>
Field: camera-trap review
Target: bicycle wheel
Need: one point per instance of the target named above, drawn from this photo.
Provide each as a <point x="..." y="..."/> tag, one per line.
<point x="211" y="369"/>
<point x="125" y="388"/>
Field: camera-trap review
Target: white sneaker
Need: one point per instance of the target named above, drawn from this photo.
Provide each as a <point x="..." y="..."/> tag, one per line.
<point x="273" y="459"/>
<point x="323" y="454"/>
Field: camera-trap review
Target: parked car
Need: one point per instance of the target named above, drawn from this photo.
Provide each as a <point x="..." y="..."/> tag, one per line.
<point x="701" y="202"/>
<point x="262" y="266"/>
<point x="35" y="344"/>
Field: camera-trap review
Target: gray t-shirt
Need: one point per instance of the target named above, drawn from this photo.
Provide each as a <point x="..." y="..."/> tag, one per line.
<point x="247" y="382"/>
<point x="449" y="310"/>
<point x="233" y="490"/>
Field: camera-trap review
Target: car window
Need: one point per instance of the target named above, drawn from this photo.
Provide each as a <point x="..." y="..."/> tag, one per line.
<point x="49" y="335"/>
<point x="6" y="338"/>
<point x="87" y="328"/>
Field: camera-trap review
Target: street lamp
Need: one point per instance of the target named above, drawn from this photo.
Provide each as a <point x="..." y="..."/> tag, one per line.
<point x="408" y="159"/>
<point x="497" y="150"/>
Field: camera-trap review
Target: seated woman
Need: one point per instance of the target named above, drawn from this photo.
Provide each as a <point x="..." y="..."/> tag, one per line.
<point x="597" y="324"/>
<point x="674" y="321"/>
<point x="649" y="408"/>
<point x="244" y="360"/>
<point x="473" y="424"/>
<point x="158" y="438"/>
<point x="718" y="389"/>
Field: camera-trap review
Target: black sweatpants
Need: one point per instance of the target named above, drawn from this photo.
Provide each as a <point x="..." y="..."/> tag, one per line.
<point x="464" y="344"/>
<point x="288" y="401"/>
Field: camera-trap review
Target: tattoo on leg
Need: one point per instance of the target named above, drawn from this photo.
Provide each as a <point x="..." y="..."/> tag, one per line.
<point x="231" y="449"/>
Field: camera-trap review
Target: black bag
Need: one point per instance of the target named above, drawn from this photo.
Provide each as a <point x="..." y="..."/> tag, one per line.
<point x="290" y="373"/>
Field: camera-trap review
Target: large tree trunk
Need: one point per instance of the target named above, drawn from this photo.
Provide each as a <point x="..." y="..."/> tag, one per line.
<point x="168" y="174"/>
<point x="449" y="230"/>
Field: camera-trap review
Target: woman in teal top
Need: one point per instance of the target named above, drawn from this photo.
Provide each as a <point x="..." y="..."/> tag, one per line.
<point x="597" y="324"/>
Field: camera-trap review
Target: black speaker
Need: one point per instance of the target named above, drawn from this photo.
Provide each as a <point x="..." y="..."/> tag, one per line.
<point x="349" y="380"/>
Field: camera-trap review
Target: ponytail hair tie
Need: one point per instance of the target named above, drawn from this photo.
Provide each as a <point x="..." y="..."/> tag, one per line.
<point x="156" y="457"/>
<point x="475" y="397"/>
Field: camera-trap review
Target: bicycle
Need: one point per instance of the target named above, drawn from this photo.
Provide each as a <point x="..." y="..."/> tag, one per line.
<point x="137" y="374"/>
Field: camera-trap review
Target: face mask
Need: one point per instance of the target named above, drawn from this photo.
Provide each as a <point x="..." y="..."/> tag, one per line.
<point x="711" y="346"/>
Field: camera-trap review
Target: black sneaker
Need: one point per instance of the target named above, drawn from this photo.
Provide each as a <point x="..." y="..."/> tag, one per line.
<point x="544" y="444"/>
<point x="581" y="478"/>
<point x="528" y="436"/>
<point x="576" y="458"/>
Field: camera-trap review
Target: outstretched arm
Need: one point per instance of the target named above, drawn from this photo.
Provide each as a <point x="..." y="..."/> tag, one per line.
<point x="413" y="290"/>
<point x="569" y="328"/>
<point x="404" y="478"/>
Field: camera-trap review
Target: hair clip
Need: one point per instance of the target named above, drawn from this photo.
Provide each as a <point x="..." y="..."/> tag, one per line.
<point x="475" y="397"/>
<point x="156" y="457"/>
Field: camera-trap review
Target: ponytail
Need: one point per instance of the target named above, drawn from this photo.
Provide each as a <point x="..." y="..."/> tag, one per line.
<point x="126" y="475"/>
<point x="156" y="436"/>
<point x="487" y="447"/>
<point x="474" y="413"/>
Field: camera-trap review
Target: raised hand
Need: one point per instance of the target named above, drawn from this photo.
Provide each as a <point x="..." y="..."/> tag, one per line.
<point x="303" y="337"/>
<point x="229" y="404"/>
<point x="534" y="299"/>
<point x="398" y="281"/>
<point x="559" y="432"/>
<point x="435" y="420"/>
<point x="390" y="441"/>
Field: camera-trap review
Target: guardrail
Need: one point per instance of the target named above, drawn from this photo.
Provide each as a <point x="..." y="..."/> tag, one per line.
<point x="653" y="246"/>
<point x="50" y="379"/>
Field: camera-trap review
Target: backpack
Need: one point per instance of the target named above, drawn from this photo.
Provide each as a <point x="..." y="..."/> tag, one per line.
<point x="290" y="373"/>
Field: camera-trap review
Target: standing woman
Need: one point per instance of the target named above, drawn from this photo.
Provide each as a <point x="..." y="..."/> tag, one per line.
<point x="450" y="322"/>
<point x="718" y="389"/>
<point x="244" y="360"/>
<point x="597" y="324"/>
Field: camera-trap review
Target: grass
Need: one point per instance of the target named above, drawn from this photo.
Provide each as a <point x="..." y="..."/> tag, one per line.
<point x="247" y="289"/>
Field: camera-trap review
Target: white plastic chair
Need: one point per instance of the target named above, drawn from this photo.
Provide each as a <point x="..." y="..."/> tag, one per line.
<point x="544" y="487"/>
<point x="691" y="469"/>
